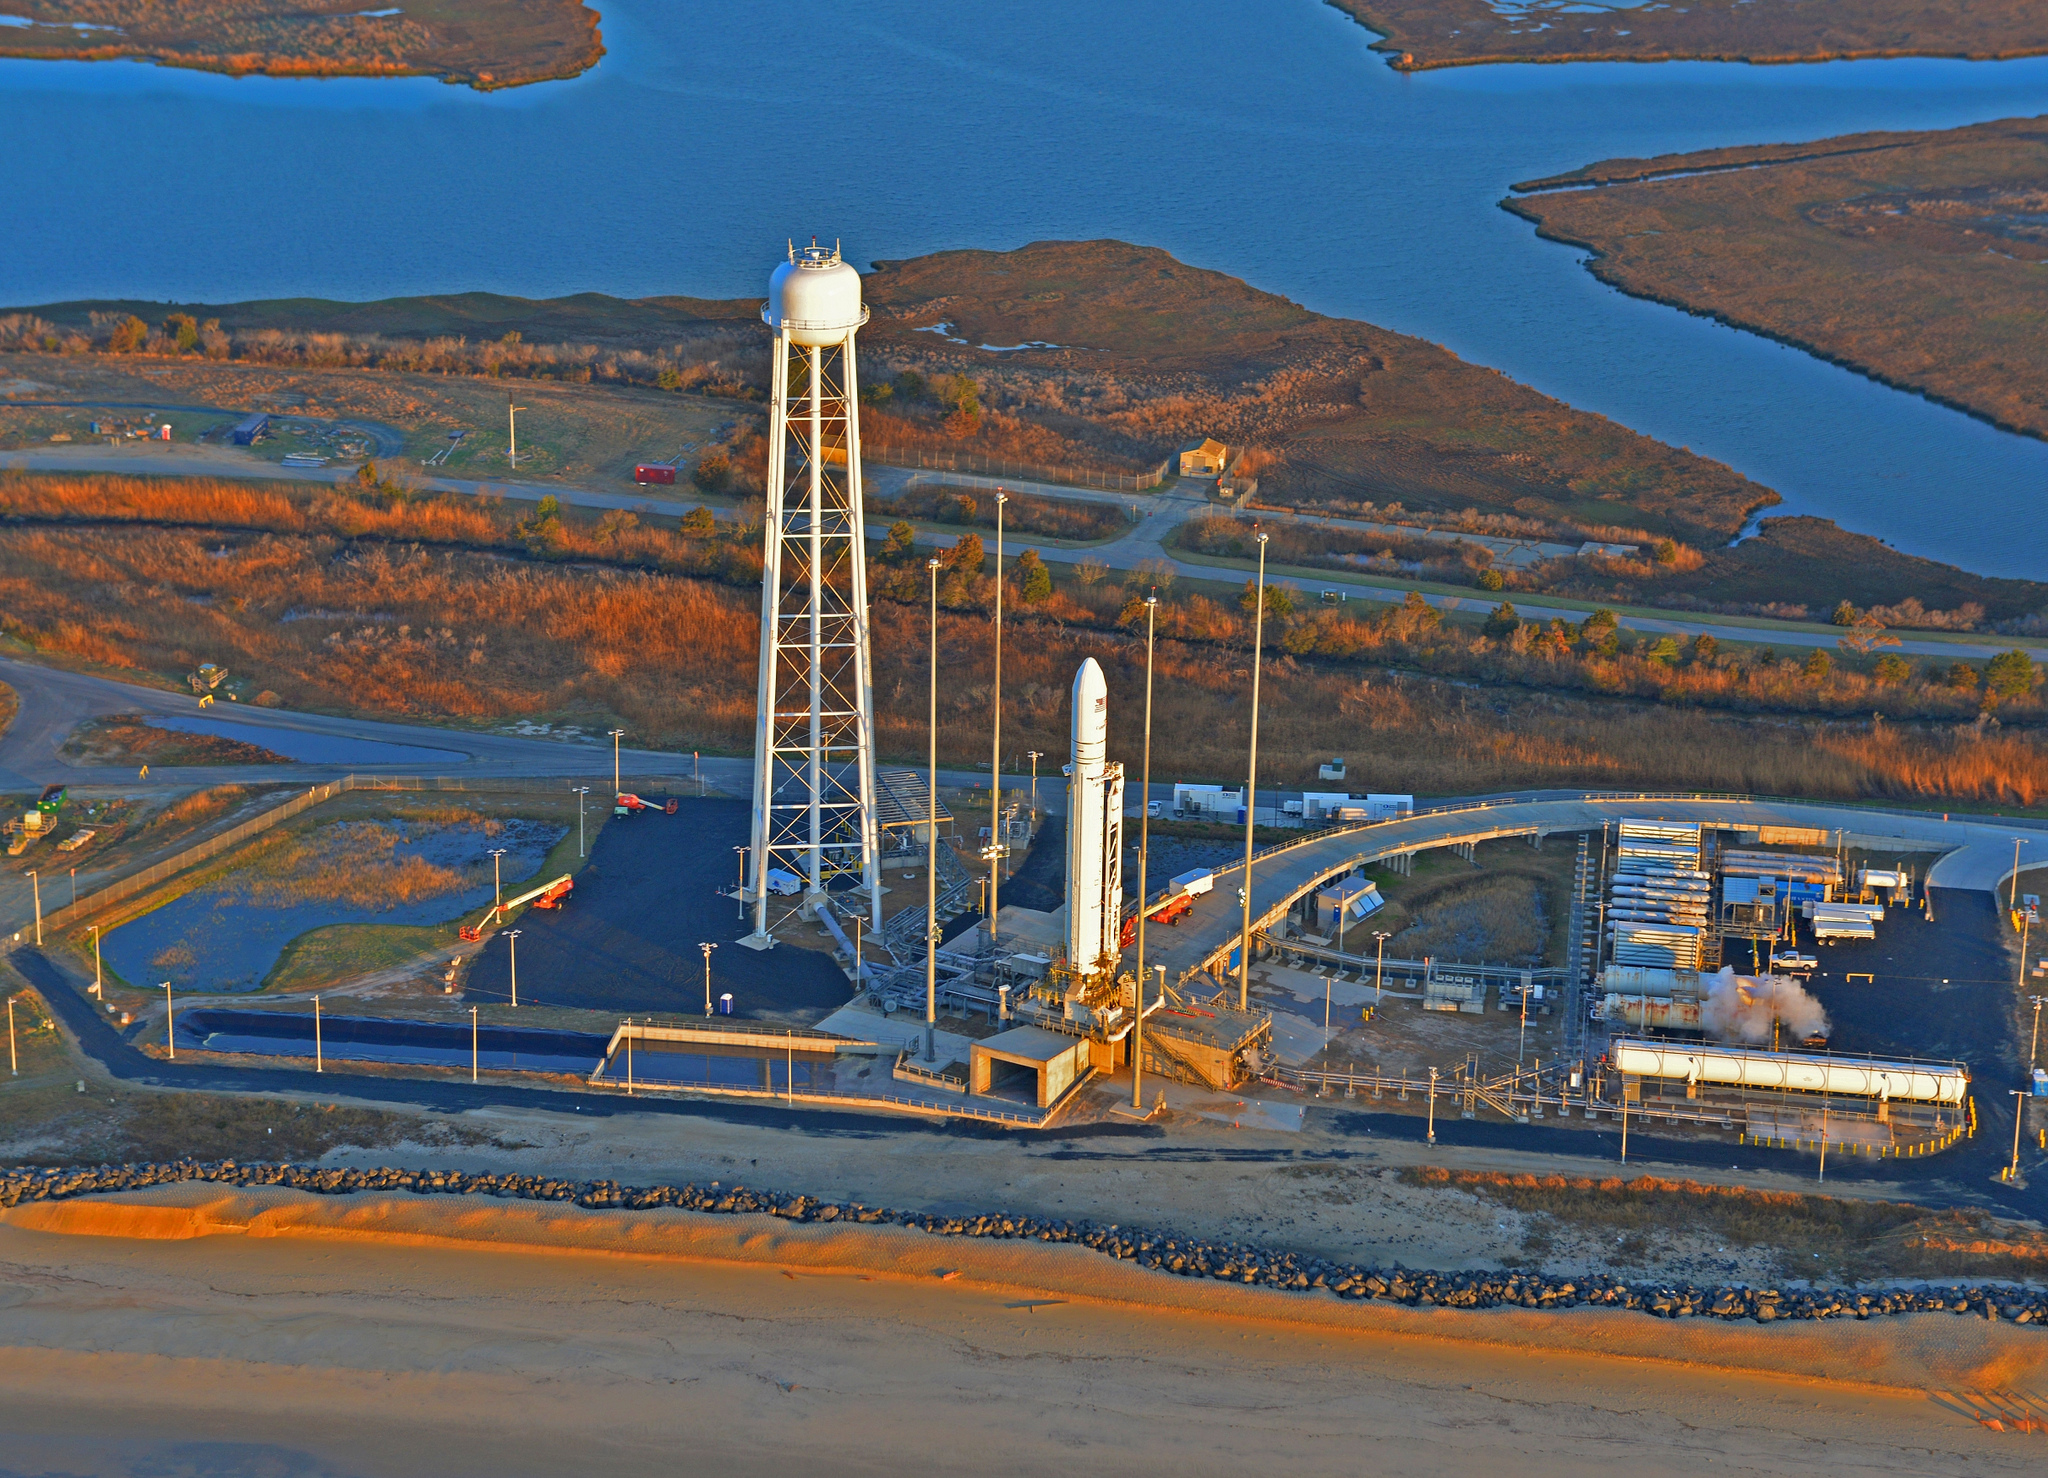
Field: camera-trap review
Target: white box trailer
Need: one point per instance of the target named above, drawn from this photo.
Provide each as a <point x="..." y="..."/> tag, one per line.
<point x="1193" y="883"/>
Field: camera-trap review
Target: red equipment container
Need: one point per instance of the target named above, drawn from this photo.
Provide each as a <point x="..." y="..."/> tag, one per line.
<point x="654" y="472"/>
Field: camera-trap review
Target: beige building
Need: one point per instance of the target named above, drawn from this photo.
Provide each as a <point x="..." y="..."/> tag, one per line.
<point x="1204" y="459"/>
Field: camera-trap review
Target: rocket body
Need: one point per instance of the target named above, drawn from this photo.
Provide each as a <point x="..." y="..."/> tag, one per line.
<point x="1095" y="816"/>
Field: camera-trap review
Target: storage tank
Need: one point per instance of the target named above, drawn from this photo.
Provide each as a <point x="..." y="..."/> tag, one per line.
<point x="815" y="297"/>
<point x="1918" y="1082"/>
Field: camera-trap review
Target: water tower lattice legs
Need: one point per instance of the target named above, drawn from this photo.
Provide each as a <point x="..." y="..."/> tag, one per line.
<point x="814" y="802"/>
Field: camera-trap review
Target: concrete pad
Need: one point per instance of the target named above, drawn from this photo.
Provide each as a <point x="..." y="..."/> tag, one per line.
<point x="1262" y="1107"/>
<point x="1296" y="1039"/>
<point x="902" y="1028"/>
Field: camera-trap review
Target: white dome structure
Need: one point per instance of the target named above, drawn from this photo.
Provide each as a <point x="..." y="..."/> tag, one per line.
<point x="814" y="297"/>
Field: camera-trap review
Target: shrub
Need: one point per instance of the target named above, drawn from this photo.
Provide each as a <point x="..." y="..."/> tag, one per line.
<point x="1845" y="614"/>
<point x="1503" y="621"/>
<point x="700" y="523"/>
<point x="129" y="336"/>
<point x="1818" y="665"/>
<point x="1037" y="579"/>
<point x="1892" y="670"/>
<point x="2010" y="674"/>
<point x="1491" y="579"/>
<point x="713" y="474"/>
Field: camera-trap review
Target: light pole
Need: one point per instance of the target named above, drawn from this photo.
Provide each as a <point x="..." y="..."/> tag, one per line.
<point x="2034" y="1051"/>
<point x="1034" y="788"/>
<point x="512" y="416"/>
<point x="1144" y="857"/>
<point x="170" y="1023"/>
<point x="1251" y="782"/>
<point x="1432" y="1105"/>
<point x="1379" y="965"/>
<point x="995" y="769"/>
<point x="319" y="1059"/>
<point x="581" y="792"/>
<point x="2019" y="1117"/>
<point x="931" y="861"/>
<point x="13" y="1062"/>
<point x="497" y="884"/>
<point x="859" y="972"/>
<point x="2012" y="904"/>
<point x="512" y="944"/>
<point x="617" y="735"/>
<point x="37" y="883"/>
<point x="707" y="948"/>
<point x="100" y="993"/>
<point x="742" y="894"/>
<point x="472" y="1044"/>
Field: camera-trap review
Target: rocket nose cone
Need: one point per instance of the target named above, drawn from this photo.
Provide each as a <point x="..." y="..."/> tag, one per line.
<point x="1091" y="710"/>
<point x="1091" y="684"/>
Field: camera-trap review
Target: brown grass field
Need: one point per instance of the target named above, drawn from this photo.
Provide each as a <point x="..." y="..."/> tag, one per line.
<point x="483" y="44"/>
<point x="128" y="740"/>
<point x="1421" y="34"/>
<point x="1913" y="258"/>
<point x="449" y="613"/>
<point x="1855" y="1239"/>
<point x="1329" y="414"/>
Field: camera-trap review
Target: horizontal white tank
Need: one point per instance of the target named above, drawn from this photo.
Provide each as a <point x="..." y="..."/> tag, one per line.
<point x="1644" y="1012"/>
<point x="1916" y="1082"/>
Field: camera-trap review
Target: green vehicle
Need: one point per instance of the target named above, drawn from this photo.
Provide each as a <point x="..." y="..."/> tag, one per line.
<point x="52" y="800"/>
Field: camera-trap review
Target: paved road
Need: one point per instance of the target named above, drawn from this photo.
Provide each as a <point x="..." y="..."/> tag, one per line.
<point x="1978" y="853"/>
<point x="1159" y="514"/>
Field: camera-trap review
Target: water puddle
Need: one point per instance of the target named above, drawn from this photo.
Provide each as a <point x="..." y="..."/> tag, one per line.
<point x="388" y="1040"/>
<point x="228" y="935"/>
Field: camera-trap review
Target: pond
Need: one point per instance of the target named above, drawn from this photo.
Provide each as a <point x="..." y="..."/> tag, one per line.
<point x="1262" y="140"/>
<point x="392" y="1040"/>
<point x="228" y="934"/>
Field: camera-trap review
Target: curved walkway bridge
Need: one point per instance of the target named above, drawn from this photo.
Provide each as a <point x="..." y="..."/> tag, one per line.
<point x="1977" y="853"/>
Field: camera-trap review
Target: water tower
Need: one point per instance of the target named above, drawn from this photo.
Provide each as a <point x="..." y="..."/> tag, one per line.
<point x="814" y="761"/>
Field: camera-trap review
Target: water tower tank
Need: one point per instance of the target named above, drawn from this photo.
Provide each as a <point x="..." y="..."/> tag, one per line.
<point x="815" y="297"/>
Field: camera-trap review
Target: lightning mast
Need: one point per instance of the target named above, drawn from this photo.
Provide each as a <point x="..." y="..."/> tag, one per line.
<point x="814" y="767"/>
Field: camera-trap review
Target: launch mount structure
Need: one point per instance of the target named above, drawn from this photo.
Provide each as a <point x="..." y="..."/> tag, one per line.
<point x="814" y="762"/>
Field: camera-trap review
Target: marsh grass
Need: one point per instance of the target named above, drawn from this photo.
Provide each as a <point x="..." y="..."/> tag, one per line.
<point x="346" y="606"/>
<point x="1488" y="917"/>
<point x="354" y="863"/>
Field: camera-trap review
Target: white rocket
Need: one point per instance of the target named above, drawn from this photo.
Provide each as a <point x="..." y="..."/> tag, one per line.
<point x="1095" y="830"/>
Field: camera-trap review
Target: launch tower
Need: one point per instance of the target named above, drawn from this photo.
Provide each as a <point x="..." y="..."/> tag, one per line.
<point x="814" y="773"/>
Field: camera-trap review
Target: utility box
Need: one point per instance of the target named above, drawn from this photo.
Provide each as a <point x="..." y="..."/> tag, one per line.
<point x="656" y="472"/>
<point x="1347" y="900"/>
<point x="247" y="430"/>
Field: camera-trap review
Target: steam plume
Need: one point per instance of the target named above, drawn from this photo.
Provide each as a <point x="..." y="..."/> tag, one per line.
<point x="1740" y="1008"/>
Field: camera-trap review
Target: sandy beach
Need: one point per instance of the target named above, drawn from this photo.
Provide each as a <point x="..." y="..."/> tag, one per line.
<point x="196" y="1329"/>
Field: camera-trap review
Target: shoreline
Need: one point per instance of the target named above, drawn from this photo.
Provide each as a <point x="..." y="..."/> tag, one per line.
<point x="1908" y="1356"/>
<point x="186" y="1199"/>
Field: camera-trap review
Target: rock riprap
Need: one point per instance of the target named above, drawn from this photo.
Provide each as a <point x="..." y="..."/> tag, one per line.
<point x="1166" y="1252"/>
